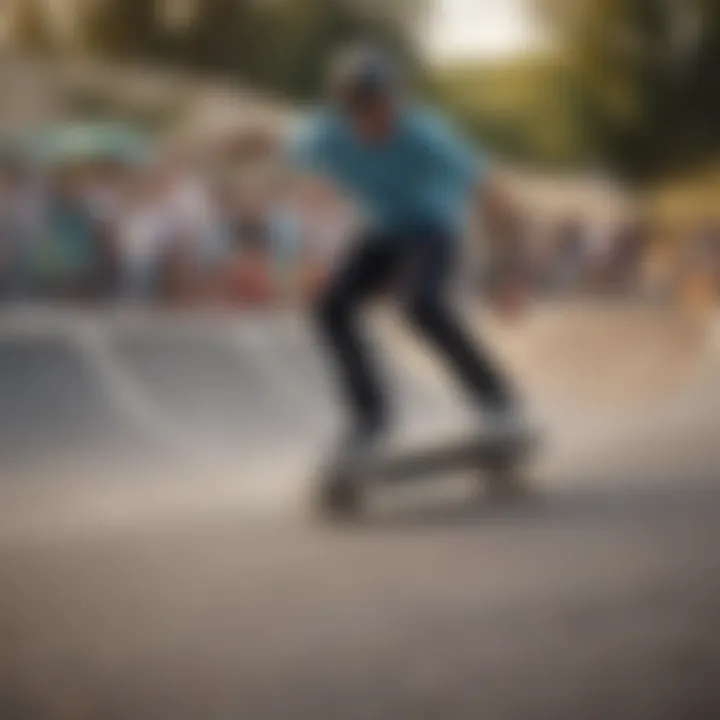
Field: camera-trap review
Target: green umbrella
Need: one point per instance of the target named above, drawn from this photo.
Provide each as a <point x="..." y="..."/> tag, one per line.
<point x="83" y="143"/>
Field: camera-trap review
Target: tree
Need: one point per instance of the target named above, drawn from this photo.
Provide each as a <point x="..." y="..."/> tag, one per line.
<point x="301" y="34"/>
<point x="125" y="28"/>
<point x="30" y="27"/>
<point x="280" y="45"/>
<point x="649" y="71"/>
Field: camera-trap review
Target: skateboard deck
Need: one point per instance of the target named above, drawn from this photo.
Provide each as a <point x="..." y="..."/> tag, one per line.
<point x="456" y="456"/>
<point x="497" y="465"/>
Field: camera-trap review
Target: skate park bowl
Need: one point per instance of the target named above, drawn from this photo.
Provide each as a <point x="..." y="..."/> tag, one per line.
<point x="156" y="560"/>
<point x="236" y="408"/>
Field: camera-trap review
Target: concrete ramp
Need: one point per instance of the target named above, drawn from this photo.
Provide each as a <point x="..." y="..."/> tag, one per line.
<point x="591" y="358"/>
<point x="109" y="385"/>
<point x="137" y="590"/>
<point x="108" y="390"/>
<point x="54" y="403"/>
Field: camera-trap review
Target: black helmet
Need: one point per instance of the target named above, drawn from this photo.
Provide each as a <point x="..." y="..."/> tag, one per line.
<point x="360" y="75"/>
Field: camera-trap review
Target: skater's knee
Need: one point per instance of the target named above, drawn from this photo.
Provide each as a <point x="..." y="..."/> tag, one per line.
<point x="424" y="310"/>
<point x="331" y="309"/>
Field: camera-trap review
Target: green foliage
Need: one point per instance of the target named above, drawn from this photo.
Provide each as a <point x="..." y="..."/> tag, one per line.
<point x="280" y="45"/>
<point x="300" y="34"/>
<point x="631" y="84"/>
<point x="527" y="109"/>
<point x="30" y="26"/>
<point x="650" y="71"/>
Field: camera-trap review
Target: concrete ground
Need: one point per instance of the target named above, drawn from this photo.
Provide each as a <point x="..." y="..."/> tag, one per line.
<point x="157" y="559"/>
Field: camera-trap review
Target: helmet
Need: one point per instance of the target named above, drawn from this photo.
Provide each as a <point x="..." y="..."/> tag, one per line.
<point x="360" y="75"/>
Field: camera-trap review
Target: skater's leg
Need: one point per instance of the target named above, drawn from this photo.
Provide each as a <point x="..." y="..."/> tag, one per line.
<point x="370" y="264"/>
<point x="432" y="313"/>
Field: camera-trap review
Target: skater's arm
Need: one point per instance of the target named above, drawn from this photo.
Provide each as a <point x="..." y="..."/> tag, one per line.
<point x="465" y="167"/>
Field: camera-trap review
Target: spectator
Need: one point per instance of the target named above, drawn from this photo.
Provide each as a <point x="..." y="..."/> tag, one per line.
<point x="14" y="237"/>
<point x="65" y="256"/>
<point x="144" y="235"/>
<point x="195" y="238"/>
<point x="571" y="255"/>
<point x="249" y="277"/>
<point x="102" y="196"/>
<point x="287" y="239"/>
<point x="625" y="257"/>
<point x="326" y="223"/>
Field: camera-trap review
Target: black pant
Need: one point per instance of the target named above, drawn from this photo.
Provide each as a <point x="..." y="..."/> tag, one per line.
<point x="421" y="264"/>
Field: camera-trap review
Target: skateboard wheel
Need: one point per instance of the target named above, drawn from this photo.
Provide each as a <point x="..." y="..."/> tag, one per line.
<point x="506" y="488"/>
<point x="340" y="499"/>
<point x="507" y="485"/>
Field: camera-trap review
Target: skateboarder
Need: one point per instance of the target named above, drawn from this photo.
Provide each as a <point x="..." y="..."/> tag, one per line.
<point x="415" y="182"/>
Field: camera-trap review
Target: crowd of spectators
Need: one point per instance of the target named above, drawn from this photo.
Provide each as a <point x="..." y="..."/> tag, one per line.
<point x="162" y="233"/>
<point x="173" y="233"/>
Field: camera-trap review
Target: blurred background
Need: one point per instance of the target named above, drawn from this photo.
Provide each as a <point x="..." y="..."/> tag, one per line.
<point x="138" y="137"/>
<point x="163" y="405"/>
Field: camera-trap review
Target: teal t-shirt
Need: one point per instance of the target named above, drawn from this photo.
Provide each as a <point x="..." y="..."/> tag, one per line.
<point x="423" y="175"/>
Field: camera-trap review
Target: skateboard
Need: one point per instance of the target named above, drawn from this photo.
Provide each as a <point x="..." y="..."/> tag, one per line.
<point x="499" y="468"/>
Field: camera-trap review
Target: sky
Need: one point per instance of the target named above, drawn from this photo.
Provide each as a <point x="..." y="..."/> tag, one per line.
<point x="481" y="28"/>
